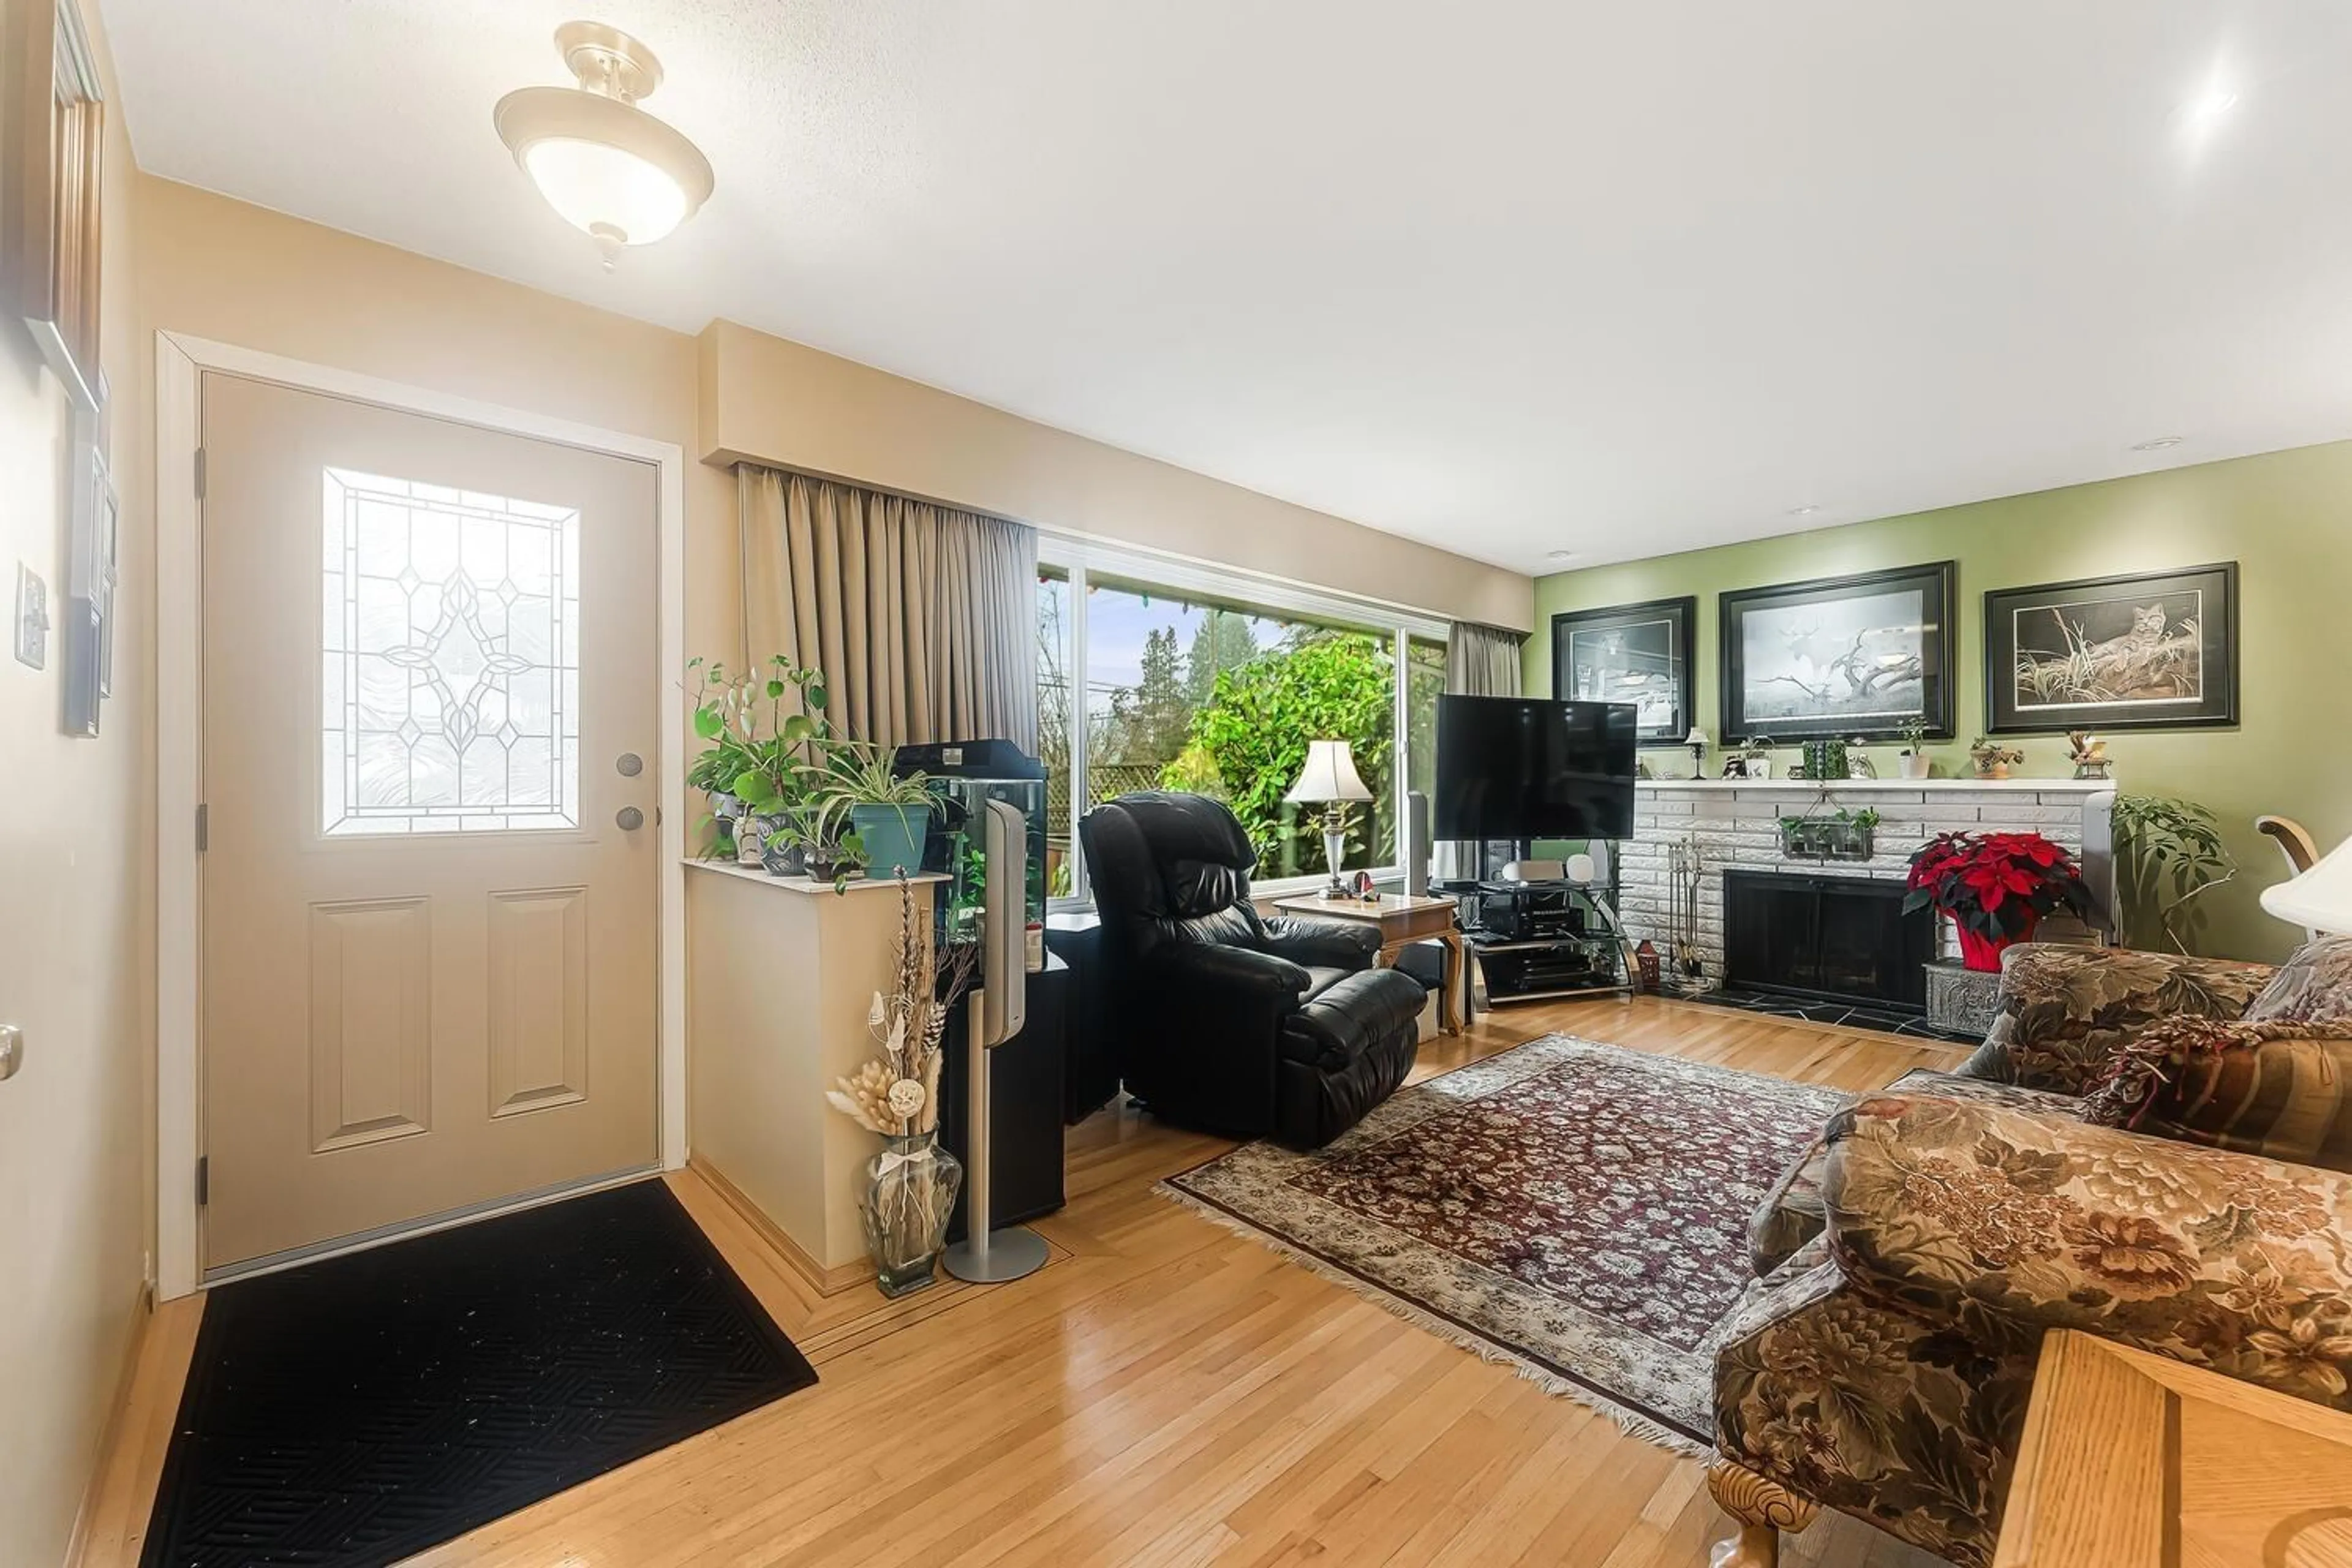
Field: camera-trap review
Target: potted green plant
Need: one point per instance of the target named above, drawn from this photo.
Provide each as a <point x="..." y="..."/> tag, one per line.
<point x="755" y="762"/>
<point x="1755" y="757"/>
<point x="855" y="785"/>
<point x="2171" y="852"/>
<point x="805" y="843"/>
<point x="1993" y="759"/>
<point x="1911" y="762"/>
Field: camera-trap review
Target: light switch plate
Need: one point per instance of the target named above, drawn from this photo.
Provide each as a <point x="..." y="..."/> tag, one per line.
<point x="32" y="617"/>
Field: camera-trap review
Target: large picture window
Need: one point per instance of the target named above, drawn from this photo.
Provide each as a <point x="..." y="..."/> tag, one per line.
<point x="1172" y="679"/>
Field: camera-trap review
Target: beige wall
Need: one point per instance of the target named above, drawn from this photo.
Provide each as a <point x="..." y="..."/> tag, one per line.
<point x="75" y="890"/>
<point x="785" y="404"/>
<point x="213" y="267"/>
<point x="76" y="837"/>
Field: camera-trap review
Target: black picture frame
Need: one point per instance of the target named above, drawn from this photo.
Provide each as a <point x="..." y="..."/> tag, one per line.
<point x="1668" y="627"/>
<point x="1847" y="670"/>
<point x="2175" y="633"/>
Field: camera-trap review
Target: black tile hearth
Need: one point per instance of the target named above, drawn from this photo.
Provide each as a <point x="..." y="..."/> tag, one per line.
<point x="1853" y="1014"/>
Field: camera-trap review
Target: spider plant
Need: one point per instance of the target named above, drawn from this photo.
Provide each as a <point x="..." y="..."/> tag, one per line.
<point x="847" y="775"/>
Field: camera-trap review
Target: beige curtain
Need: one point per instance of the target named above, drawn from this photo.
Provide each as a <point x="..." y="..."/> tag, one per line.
<point x="922" y="619"/>
<point x="1481" y="661"/>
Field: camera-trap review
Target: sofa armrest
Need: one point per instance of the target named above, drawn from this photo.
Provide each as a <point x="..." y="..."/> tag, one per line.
<point x="2063" y="1009"/>
<point x="2006" y="1223"/>
<point x="1333" y="945"/>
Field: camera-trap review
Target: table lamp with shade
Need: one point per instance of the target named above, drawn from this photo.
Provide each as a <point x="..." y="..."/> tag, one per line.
<point x="1698" y="743"/>
<point x="1329" y="780"/>
<point x="2320" y="900"/>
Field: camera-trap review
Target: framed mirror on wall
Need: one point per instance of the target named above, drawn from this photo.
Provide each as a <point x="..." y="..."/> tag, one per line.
<point x="1640" y="653"/>
<point x="52" y="159"/>
<point x="1866" y="656"/>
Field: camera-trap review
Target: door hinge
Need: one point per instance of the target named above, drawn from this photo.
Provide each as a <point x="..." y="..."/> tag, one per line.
<point x="203" y="1180"/>
<point x="204" y="828"/>
<point x="200" y="473"/>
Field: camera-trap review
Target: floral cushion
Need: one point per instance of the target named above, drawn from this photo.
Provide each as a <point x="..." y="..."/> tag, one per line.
<point x="2281" y="1089"/>
<point x="2314" y="986"/>
<point x="1867" y="1408"/>
<point x="2005" y="1226"/>
<point x="2064" y="1009"/>
<point x="1792" y="1213"/>
<point x="1890" y="1379"/>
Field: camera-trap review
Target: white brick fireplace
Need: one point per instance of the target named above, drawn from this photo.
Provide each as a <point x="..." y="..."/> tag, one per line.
<point x="1736" y="827"/>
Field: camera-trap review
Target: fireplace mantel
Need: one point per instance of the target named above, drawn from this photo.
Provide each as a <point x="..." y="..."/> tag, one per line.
<point x="1735" y="825"/>
<point x="1872" y="787"/>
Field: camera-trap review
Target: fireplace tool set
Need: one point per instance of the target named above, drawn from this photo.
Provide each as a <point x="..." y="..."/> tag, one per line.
<point x="1684" y="972"/>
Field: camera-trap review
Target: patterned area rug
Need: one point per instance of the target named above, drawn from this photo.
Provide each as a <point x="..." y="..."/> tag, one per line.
<point x="1576" y="1209"/>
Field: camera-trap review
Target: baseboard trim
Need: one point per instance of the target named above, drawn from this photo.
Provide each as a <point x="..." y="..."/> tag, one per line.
<point x="110" y="1435"/>
<point x="821" y="1281"/>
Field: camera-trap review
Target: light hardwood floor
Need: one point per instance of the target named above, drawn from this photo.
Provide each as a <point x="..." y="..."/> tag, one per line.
<point x="1164" y="1392"/>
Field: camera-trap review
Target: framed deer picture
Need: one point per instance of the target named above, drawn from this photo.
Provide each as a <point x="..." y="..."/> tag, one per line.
<point x="2154" y="651"/>
<point x="1865" y="655"/>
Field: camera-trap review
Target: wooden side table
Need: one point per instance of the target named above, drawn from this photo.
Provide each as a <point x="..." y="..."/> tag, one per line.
<point x="2134" y="1461"/>
<point x="1405" y="920"/>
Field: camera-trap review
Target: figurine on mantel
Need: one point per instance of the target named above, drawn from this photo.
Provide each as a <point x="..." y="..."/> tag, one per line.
<point x="2090" y="754"/>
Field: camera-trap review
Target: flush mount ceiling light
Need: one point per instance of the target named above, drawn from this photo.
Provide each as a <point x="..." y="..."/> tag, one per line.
<point x="2155" y="444"/>
<point x="607" y="166"/>
<point x="1806" y="511"/>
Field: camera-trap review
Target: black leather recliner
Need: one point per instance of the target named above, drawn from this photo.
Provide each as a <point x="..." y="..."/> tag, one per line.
<point x="1232" y="1023"/>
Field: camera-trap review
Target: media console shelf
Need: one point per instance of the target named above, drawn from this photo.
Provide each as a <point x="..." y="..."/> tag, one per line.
<point x="1541" y="940"/>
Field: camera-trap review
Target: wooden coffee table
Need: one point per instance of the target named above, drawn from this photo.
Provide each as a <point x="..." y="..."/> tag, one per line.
<point x="2134" y="1461"/>
<point x="1403" y="921"/>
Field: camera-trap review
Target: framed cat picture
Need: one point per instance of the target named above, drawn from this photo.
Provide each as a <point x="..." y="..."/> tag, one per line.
<point x="2154" y="651"/>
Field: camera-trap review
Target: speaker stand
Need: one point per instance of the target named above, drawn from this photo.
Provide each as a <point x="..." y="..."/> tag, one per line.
<point x="986" y="1256"/>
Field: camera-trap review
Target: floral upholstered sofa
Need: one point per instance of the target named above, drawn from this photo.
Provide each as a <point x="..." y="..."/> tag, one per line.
<point x="1913" y="1262"/>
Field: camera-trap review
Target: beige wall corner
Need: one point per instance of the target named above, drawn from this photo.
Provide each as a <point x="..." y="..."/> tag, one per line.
<point x="777" y="402"/>
<point x="76" y="924"/>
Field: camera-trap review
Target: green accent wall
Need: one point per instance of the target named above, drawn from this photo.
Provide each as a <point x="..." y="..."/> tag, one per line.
<point x="2285" y="517"/>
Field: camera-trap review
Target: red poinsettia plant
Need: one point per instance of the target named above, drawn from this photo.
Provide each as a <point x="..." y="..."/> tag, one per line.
<point x="1996" y="887"/>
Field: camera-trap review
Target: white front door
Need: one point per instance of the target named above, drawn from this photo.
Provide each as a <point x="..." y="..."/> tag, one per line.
<point x="430" y="887"/>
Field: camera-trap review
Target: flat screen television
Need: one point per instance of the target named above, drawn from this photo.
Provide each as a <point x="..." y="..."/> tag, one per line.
<point x="1511" y="767"/>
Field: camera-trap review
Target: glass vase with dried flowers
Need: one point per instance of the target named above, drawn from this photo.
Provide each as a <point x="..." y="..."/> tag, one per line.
<point x="911" y="1185"/>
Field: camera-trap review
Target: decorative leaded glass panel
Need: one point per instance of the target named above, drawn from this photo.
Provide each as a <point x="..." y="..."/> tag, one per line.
<point x="451" y="661"/>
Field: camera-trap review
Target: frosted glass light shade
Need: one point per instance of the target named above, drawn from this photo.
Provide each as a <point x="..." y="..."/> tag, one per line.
<point x="606" y="191"/>
<point x="1329" y="775"/>
<point x="608" y="168"/>
<point x="2321" y="899"/>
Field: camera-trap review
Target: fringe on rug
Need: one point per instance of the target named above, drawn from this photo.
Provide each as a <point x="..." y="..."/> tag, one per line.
<point x="1632" y="1422"/>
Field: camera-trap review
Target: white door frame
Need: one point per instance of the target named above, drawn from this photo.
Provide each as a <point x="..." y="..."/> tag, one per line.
<point x="180" y="363"/>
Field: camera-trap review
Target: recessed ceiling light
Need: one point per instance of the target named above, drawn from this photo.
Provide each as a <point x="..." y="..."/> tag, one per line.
<point x="606" y="165"/>
<point x="1561" y="554"/>
<point x="1802" y="511"/>
<point x="2155" y="443"/>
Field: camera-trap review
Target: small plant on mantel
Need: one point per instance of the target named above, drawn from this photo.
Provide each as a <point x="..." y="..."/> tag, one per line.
<point x="1911" y="762"/>
<point x="1993" y="759"/>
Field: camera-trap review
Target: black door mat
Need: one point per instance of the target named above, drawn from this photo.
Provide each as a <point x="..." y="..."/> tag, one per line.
<point x="361" y="1409"/>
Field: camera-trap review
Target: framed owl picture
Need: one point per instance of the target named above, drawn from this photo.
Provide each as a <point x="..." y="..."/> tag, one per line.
<point x="2154" y="651"/>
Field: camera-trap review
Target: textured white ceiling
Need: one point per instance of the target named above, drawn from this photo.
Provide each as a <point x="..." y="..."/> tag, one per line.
<point x="1509" y="276"/>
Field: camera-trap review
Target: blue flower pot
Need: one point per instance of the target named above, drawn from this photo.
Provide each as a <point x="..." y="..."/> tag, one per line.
<point x="894" y="836"/>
